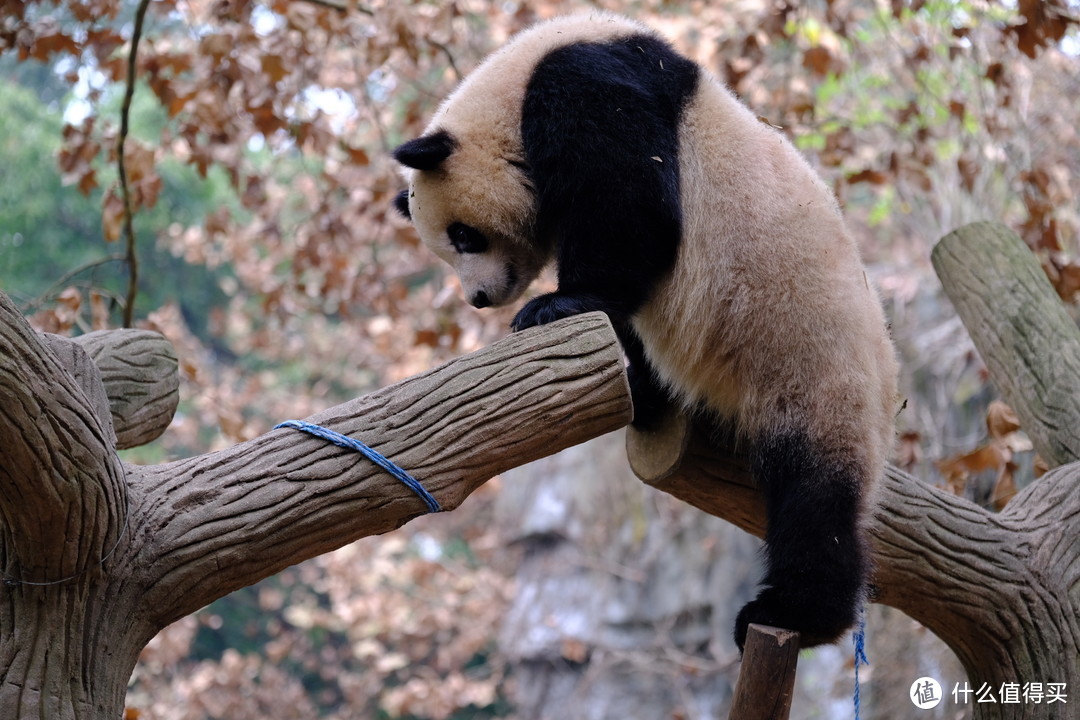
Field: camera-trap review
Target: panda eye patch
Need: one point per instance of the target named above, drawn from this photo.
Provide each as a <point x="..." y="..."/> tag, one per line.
<point x="466" y="239"/>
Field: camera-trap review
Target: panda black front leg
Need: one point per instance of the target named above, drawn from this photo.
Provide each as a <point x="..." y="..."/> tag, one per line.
<point x="649" y="397"/>
<point x="611" y="208"/>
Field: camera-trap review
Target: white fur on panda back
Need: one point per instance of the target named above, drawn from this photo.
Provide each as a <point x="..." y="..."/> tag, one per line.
<point x="768" y="316"/>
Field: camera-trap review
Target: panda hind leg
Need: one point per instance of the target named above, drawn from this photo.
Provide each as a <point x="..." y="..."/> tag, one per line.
<point x="816" y="556"/>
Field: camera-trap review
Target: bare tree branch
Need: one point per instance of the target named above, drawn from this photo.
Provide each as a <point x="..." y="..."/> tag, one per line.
<point x="125" y="191"/>
<point x="48" y="294"/>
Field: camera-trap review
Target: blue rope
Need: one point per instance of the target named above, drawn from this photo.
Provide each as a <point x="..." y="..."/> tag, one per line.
<point x="372" y="455"/>
<point x="859" y="638"/>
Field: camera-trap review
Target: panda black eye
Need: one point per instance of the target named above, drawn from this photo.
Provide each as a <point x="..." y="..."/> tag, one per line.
<point x="466" y="239"/>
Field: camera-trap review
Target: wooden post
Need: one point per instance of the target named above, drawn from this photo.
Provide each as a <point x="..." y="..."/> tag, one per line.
<point x="767" y="675"/>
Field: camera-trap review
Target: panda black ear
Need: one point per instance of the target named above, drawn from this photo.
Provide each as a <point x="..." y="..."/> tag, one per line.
<point x="427" y="152"/>
<point x="401" y="202"/>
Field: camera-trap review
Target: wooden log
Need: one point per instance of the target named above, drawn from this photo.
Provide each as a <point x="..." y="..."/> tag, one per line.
<point x="679" y="458"/>
<point x="118" y="551"/>
<point x="767" y="674"/>
<point x="63" y="489"/>
<point x="131" y="377"/>
<point x="1020" y="326"/>
<point x="74" y="358"/>
<point x="527" y="396"/>
<point x="141" y="375"/>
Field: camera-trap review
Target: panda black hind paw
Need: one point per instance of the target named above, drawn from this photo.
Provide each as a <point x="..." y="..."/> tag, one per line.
<point x="817" y="624"/>
<point x="756" y="612"/>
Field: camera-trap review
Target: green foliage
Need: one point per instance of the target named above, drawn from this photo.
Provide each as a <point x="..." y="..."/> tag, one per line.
<point x="49" y="229"/>
<point x="46" y="229"/>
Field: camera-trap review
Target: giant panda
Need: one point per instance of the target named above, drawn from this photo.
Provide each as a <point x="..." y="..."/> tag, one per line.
<point x="717" y="252"/>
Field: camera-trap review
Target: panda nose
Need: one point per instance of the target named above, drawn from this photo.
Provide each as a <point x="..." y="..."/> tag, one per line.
<point x="480" y="299"/>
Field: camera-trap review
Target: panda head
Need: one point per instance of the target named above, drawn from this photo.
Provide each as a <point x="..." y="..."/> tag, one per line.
<point x="475" y="207"/>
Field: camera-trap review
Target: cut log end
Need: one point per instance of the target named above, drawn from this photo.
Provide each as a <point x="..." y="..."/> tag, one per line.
<point x="656" y="454"/>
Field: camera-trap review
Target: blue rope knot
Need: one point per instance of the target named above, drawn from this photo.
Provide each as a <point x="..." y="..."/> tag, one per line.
<point x="373" y="455"/>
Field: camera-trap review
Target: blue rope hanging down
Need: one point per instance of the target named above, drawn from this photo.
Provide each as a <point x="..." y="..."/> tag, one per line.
<point x="373" y="455"/>
<point x="859" y="639"/>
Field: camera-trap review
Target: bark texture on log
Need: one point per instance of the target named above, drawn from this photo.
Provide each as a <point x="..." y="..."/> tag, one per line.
<point x="222" y="521"/>
<point x="63" y="496"/>
<point x="121" y="550"/>
<point x="1025" y="336"/>
<point x="131" y="378"/>
<point x="140" y="372"/>
<point x="63" y="485"/>
<point x="74" y="358"/>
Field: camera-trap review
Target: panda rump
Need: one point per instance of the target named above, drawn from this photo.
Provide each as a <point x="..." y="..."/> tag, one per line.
<point x="720" y="256"/>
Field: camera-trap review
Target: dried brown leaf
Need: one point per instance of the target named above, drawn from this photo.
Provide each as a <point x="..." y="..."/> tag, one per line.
<point x="874" y="177"/>
<point x="138" y="160"/>
<point x="112" y="215"/>
<point x="1001" y="420"/>
<point x="99" y="311"/>
<point x="216" y="45"/>
<point x="88" y="182"/>
<point x="909" y="450"/>
<point x="274" y="67"/>
<point x="45" y="46"/>
<point x="958" y="468"/>
<point x="818" y="60"/>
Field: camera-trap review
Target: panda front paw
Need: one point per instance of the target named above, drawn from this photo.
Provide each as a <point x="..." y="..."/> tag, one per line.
<point x="545" y="309"/>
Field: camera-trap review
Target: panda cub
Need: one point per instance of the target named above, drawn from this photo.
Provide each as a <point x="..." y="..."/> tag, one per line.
<point x="717" y="252"/>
